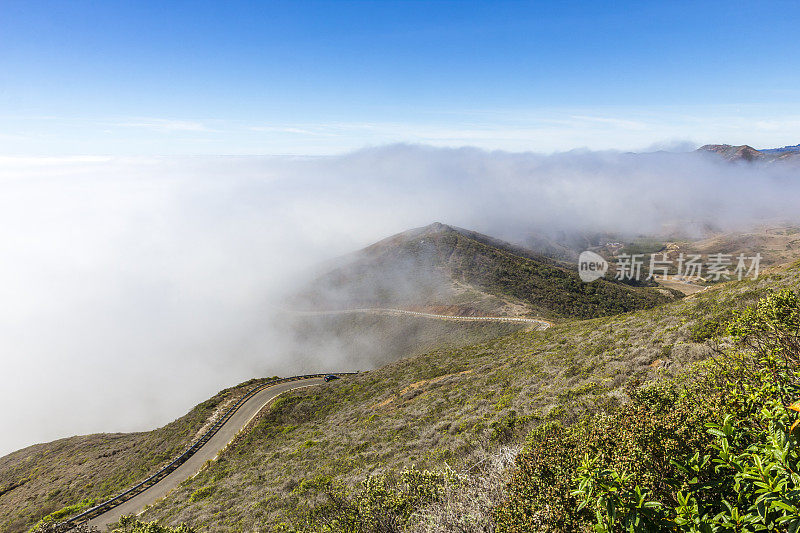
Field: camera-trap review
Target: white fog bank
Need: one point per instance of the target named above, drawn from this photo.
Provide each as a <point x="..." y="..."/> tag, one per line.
<point x="134" y="288"/>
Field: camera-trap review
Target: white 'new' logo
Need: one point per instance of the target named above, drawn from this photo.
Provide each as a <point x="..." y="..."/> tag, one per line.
<point x="591" y="266"/>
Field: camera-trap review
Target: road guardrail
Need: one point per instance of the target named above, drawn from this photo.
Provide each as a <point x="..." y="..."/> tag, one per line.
<point x="137" y="489"/>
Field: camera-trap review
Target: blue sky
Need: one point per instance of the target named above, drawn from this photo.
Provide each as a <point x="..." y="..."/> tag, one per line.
<point x="141" y="78"/>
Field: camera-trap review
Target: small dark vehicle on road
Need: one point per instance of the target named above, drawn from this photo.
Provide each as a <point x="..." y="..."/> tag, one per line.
<point x="330" y="377"/>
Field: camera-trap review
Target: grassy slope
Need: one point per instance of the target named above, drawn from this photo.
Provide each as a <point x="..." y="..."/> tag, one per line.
<point x="777" y="245"/>
<point x="549" y="289"/>
<point x="418" y="267"/>
<point x="439" y="407"/>
<point x="43" y="478"/>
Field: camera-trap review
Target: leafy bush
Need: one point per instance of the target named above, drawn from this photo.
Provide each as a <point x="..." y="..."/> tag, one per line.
<point x="705" y="330"/>
<point x="201" y="494"/>
<point x="126" y="524"/>
<point x="130" y="524"/>
<point x="722" y="456"/>
<point x="64" y="512"/>
<point x="754" y="485"/>
<point x="382" y="503"/>
<point x="641" y="437"/>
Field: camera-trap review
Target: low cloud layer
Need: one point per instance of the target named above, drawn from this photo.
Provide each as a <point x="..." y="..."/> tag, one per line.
<point x="134" y="288"/>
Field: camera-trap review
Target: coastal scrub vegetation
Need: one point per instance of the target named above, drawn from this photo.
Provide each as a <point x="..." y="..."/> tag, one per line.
<point x="714" y="448"/>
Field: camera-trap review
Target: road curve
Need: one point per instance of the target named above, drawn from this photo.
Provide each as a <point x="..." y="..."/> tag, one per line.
<point x="240" y="418"/>
<point x="207" y="452"/>
<point x="543" y="324"/>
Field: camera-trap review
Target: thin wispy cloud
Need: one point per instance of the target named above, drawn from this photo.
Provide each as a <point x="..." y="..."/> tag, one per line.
<point x="288" y="129"/>
<point x="787" y="124"/>
<point x="542" y="131"/>
<point x="167" y="125"/>
<point x="612" y="121"/>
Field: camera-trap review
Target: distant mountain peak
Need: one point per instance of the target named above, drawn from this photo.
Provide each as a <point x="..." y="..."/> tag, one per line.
<point x="437" y="226"/>
<point x="742" y="152"/>
<point x="748" y="153"/>
<point x="794" y="148"/>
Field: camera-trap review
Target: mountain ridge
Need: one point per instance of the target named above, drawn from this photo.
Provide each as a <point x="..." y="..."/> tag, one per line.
<point x="440" y="264"/>
<point x="747" y="153"/>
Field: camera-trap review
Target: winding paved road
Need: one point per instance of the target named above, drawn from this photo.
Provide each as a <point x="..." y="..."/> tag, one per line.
<point x="208" y="452"/>
<point x="543" y="324"/>
<point x="251" y="408"/>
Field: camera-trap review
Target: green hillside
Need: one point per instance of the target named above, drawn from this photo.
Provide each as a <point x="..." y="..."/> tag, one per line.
<point x="423" y="266"/>
<point x="44" y="478"/>
<point x="427" y="439"/>
<point x="446" y="409"/>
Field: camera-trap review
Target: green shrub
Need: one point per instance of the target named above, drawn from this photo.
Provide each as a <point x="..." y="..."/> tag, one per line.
<point x="382" y="503"/>
<point x="129" y="524"/>
<point x="641" y="436"/>
<point x="64" y="512"/>
<point x="705" y="330"/>
<point x="718" y="453"/>
<point x="201" y="494"/>
<point x="748" y="482"/>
